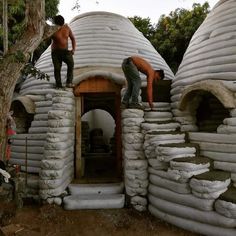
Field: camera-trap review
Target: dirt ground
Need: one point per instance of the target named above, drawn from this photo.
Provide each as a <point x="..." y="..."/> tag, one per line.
<point x="52" y="220"/>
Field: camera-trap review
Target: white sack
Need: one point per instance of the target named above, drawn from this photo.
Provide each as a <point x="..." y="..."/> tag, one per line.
<point x="135" y="164"/>
<point x="133" y="154"/>
<point x="206" y="186"/>
<point x="61" y="123"/>
<point x="182" y="199"/>
<point x="212" y="195"/>
<point x="190" y="225"/>
<point x="209" y="217"/>
<point x="158" y="165"/>
<point x="135" y="191"/>
<point x="225" y="208"/>
<point x="132" y="138"/>
<point x="136" y="174"/>
<point x="132" y="113"/>
<point x="185" y="166"/>
<point x="60" y="114"/>
<point x="131" y="122"/>
<point x="226" y="166"/>
<point x="139" y="203"/>
<point x="181" y="188"/>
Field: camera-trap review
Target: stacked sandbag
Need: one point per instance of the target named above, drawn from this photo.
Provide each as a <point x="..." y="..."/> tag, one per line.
<point x="167" y="152"/>
<point x="229" y="124"/>
<point x="155" y="138"/>
<point x="220" y="148"/>
<point x="27" y="151"/>
<point x="156" y="115"/>
<point x="182" y="169"/>
<point x="226" y="203"/>
<point x="174" y="198"/>
<point x="57" y="167"/>
<point x="210" y="185"/>
<point x="135" y="165"/>
<point x="185" y="118"/>
<point x="157" y="106"/>
<point x="40" y="122"/>
<point x="27" y="148"/>
<point x="159" y="118"/>
<point x="180" y="159"/>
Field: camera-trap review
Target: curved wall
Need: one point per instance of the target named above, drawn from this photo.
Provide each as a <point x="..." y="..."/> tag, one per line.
<point x="103" y="40"/>
<point x="179" y="194"/>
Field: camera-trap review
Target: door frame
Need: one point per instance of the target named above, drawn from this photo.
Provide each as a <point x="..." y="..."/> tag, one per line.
<point x="92" y="85"/>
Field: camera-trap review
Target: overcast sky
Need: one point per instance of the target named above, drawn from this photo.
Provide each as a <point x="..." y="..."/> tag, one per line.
<point x="128" y="8"/>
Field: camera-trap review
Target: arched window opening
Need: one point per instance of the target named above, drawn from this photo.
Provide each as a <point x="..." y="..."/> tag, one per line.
<point x="210" y="112"/>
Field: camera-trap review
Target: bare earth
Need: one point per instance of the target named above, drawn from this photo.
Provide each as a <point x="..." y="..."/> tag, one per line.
<point x="51" y="220"/>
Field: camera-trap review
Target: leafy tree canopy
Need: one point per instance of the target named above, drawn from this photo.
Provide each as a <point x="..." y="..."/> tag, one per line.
<point x="172" y="33"/>
<point x="16" y="17"/>
<point x="144" y="25"/>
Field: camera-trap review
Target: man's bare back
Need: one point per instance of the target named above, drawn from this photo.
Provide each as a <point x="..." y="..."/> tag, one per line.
<point x="61" y="36"/>
<point x="60" y="52"/>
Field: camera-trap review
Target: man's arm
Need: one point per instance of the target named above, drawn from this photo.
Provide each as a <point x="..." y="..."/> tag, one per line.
<point x="72" y="38"/>
<point x="150" y="91"/>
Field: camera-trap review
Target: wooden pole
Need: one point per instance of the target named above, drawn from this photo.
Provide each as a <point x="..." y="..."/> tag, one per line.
<point x="26" y="161"/>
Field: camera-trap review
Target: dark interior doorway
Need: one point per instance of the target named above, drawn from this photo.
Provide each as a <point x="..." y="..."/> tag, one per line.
<point x="210" y="112"/>
<point x="100" y="156"/>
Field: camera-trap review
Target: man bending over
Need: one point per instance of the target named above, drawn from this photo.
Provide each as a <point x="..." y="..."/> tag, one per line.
<point x="131" y="67"/>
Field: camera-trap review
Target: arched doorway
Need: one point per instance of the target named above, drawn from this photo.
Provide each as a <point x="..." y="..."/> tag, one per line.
<point x="97" y="93"/>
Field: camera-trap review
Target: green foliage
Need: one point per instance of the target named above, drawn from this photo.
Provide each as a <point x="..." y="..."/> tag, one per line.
<point x="143" y="25"/>
<point x="29" y="69"/>
<point x="16" y="16"/>
<point x="172" y="33"/>
<point x="51" y="8"/>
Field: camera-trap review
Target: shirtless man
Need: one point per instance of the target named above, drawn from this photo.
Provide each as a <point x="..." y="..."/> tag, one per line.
<point x="60" y="52"/>
<point x="131" y="67"/>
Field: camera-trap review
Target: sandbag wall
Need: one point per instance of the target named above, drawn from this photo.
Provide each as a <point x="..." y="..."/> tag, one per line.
<point x="57" y="167"/>
<point x="27" y="150"/>
<point x="184" y="190"/>
<point x="48" y="148"/>
<point x="181" y="189"/>
<point x="30" y="147"/>
<point x="134" y="163"/>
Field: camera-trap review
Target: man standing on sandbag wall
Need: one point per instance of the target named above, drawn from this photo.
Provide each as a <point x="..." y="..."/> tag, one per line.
<point x="131" y="67"/>
<point x="60" y="52"/>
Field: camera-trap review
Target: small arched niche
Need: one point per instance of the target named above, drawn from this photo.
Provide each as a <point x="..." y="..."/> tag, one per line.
<point x="209" y="102"/>
<point x="23" y="113"/>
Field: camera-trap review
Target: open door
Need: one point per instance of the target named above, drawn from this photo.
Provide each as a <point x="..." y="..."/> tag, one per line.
<point x="93" y="94"/>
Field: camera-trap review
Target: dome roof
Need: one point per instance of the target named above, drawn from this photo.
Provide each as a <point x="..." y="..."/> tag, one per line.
<point x="211" y="54"/>
<point x="103" y="40"/>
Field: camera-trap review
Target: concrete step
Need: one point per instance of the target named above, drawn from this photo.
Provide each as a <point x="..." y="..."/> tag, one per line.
<point x="100" y="189"/>
<point x="94" y="201"/>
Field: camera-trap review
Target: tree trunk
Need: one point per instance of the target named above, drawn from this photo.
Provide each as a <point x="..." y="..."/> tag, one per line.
<point x="16" y="58"/>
